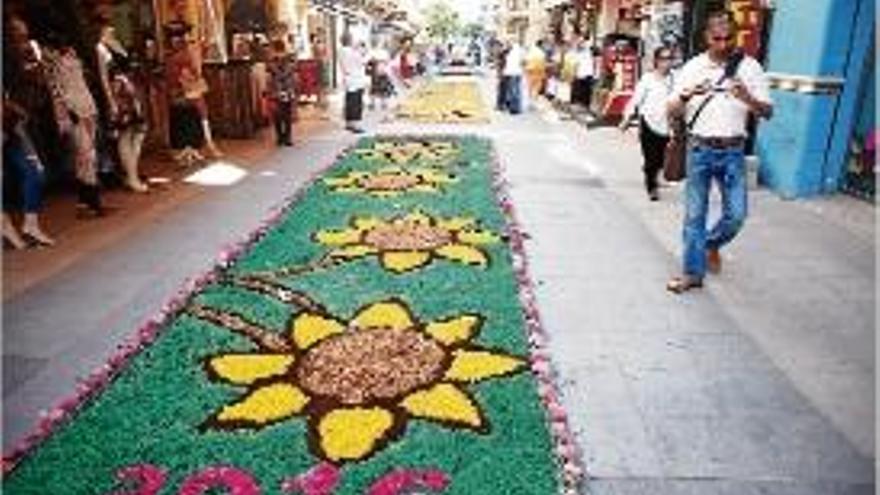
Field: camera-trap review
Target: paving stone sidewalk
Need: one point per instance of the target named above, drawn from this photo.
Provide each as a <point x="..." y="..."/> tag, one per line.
<point x="761" y="383"/>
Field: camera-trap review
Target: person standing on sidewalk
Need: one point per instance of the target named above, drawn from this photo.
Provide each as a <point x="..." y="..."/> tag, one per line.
<point x="281" y="92"/>
<point x="511" y="75"/>
<point x="716" y="91"/>
<point x="585" y="71"/>
<point x="649" y="102"/>
<point x="353" y="66"/>
<point x="536" y="69"/>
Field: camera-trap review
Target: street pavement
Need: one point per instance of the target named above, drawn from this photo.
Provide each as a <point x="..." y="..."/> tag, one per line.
<point x="761" y="383"/>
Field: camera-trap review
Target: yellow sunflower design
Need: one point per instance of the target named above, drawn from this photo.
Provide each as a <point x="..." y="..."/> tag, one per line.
<point x="391" y="181"/>
<point x="408" y="152"/>
<point x="410" y="242"/>
<point x="359" y="382"/>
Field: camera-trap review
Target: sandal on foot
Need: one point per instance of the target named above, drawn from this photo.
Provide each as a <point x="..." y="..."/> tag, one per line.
<point x="683" y="284"/>
<point x="713" y="261"/>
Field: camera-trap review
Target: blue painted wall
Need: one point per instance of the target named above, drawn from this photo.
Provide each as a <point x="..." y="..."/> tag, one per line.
<point x="848" y="113"/>
<point x="803" y="148"/>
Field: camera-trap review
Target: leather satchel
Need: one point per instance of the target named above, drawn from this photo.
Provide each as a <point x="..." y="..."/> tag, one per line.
<point x="675" y="154"/>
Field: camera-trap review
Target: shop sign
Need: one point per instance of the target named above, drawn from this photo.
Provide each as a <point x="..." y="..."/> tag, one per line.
<point x="749" y="17"/>
<point x="666" y="26"/>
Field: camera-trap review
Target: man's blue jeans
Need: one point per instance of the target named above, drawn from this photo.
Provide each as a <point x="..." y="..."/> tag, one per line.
<point x="727" y="168"/>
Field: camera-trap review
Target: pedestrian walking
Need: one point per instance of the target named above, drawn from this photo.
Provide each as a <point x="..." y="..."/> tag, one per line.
<point x="716" y="92"/>
<point x="353" y="65"/>
<point x="648" y="103"/>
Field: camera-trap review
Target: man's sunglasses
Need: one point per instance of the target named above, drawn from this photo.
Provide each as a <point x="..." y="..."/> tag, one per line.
<point x="727" y="39"/>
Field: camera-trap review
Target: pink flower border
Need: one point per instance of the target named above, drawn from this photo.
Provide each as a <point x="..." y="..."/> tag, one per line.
<point x="566" y="448"/>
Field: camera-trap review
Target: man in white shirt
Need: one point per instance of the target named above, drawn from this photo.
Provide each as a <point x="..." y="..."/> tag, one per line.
<point x="353" y="65"/>
<point x="512" y="77"/>
<point x="716" y="96"/>
<point x="582" y="88"/>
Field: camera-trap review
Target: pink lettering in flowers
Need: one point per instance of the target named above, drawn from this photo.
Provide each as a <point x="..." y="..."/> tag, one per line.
<point x="319" y="480"/>
<point x="401" y="481"/>
<point x="148" y="479"/>
<point x="236" y="481"/>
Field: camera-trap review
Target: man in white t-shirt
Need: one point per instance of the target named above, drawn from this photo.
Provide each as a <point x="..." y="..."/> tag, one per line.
<point x="716" y="95"/>
<point x="512" y="76"/>
<point x="353" y="65"/>
<point x="585" y="71"/>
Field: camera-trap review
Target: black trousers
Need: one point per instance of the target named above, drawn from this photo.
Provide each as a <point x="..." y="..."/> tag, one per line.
<point x="283" y="119"/>
<point x="501" y="96"/>
<point x="354" y="105"/>
<point x="653" y="151"/>
<point x="582" y="91"/>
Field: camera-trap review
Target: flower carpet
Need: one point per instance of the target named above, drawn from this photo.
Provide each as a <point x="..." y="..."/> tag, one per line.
<point x="378" y="336"/>
<point x="445" y="100"/>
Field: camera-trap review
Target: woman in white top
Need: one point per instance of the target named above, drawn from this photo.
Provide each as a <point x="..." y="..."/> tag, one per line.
<point x="353" y="65"/>
<point x="381" y="87"/>
<point x="649" y="100"/>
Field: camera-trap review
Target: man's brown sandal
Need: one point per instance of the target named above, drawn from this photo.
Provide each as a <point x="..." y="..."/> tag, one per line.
<point x="683" y="284"/>
<point x="713" y="261"/>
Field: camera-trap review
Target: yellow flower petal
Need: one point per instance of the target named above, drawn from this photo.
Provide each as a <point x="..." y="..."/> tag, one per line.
<point x="404" y="261"/>
<point x="244" y="369"/>
<point x="478" y="237"/>
<point x="265" y="405"/>
<point x="463" y="254"/>
<point x="452" y="331"/>
<point x="367" y="223"/>
<point x="348" y="189"/>
<point x="418" y="218"/>
<point x="444" y="403"/>
<point x="352" y="434"/>
<point x="308" y="329"/>
<point x="385" y="194"/>
<point x="341" y="181"/>
<point x="389" y="314"/>
<point x="354" y="251"/>
<point x="338" y="237"/>
<point x="455" y="223"/>
<point x="473" y="366"/>
<point x="424" y="188"/>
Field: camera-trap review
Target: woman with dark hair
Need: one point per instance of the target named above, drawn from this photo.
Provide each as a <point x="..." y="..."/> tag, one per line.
<point x="649" y="103"/>
<point x="77" y="116"/>
<point x="126" y="115"/>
